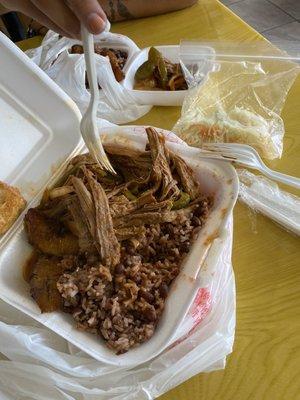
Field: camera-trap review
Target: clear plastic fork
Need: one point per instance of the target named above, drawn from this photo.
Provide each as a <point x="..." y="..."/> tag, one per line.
<point x="247" y="156"/>
<point x="88" y="125"/>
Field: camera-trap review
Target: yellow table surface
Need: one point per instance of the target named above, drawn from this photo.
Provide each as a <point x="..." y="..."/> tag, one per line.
<point x="265" y="363"/>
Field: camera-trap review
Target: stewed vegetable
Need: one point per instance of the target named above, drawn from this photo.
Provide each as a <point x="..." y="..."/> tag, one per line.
<point x="158" y="73"/>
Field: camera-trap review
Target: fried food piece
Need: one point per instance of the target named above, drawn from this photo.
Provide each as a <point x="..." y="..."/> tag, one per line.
<point x="44" y="276"/>
<point x="11" y="205"/>
<point x="48" y="236"/>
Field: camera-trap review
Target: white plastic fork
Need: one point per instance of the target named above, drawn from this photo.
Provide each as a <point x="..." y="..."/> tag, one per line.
<point x="247" y="156"/>
<point x="88" y="125"/>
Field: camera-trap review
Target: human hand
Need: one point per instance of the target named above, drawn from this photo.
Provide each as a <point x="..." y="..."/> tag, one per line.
<point x="62" y="16"/>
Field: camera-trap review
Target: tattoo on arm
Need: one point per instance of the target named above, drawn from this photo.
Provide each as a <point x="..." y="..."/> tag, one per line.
<point x="123" y="10"/>
<point x="112" y="14"/>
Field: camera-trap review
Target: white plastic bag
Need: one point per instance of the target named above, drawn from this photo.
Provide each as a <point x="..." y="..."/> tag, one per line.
<point x="44" y="366"/>
<point x="264" y="196"/>
<point x="68" y="71"/>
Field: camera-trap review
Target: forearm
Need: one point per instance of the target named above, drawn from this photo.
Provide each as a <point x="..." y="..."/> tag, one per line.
<point x="119" y="10"/>
<point x="65" y="16"/>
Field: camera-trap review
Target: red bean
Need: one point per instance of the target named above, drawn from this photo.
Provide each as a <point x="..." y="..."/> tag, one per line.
<point x="150" y="314"/>
<point x="195" y="221"/>
<point x="131" y="251"/>
<point x="146" y="295"/>
<point x="119" y="269"/>
<point x="185" y="246"/>
<point x="163" y="290"/>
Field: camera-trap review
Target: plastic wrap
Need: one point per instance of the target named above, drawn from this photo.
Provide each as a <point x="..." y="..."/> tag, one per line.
<point x="264" y="196"/>
<point x="242" y="98"/>
<point x="68" y="71"/>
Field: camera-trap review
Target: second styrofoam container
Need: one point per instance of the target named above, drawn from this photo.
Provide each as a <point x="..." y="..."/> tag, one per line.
<point x="158" y="97"/>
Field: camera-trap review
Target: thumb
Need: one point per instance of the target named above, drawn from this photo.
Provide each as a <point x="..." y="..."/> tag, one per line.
<point x="90" y="13"/>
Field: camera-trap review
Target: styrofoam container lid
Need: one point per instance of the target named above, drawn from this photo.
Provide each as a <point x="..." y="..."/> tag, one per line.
<point x="39" y="124"/>
<point x="60" y="137"/>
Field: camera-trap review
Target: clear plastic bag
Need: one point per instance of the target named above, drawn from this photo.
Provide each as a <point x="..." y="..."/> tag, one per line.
<point x="242" y="98"/>
<point x="264" y="196"/>
<point x="44" y="366"/>
<point x="68" y="71"/>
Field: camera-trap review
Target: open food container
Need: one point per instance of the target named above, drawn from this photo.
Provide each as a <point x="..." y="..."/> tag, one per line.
<point x="66" y="69"/>
<point x="162" y="97"/>
<point x="35" y="147"/>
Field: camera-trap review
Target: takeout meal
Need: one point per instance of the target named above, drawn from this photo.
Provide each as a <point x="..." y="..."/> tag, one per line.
<point x="11" y="206"/>
<point x="116" y="57"/>
<point x="107" y="247"/>
<point x="158" y="73"/>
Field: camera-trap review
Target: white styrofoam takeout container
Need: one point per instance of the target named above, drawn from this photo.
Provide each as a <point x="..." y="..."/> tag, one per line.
<point x="46" y="122"/>
<point x="160" y="97"/>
